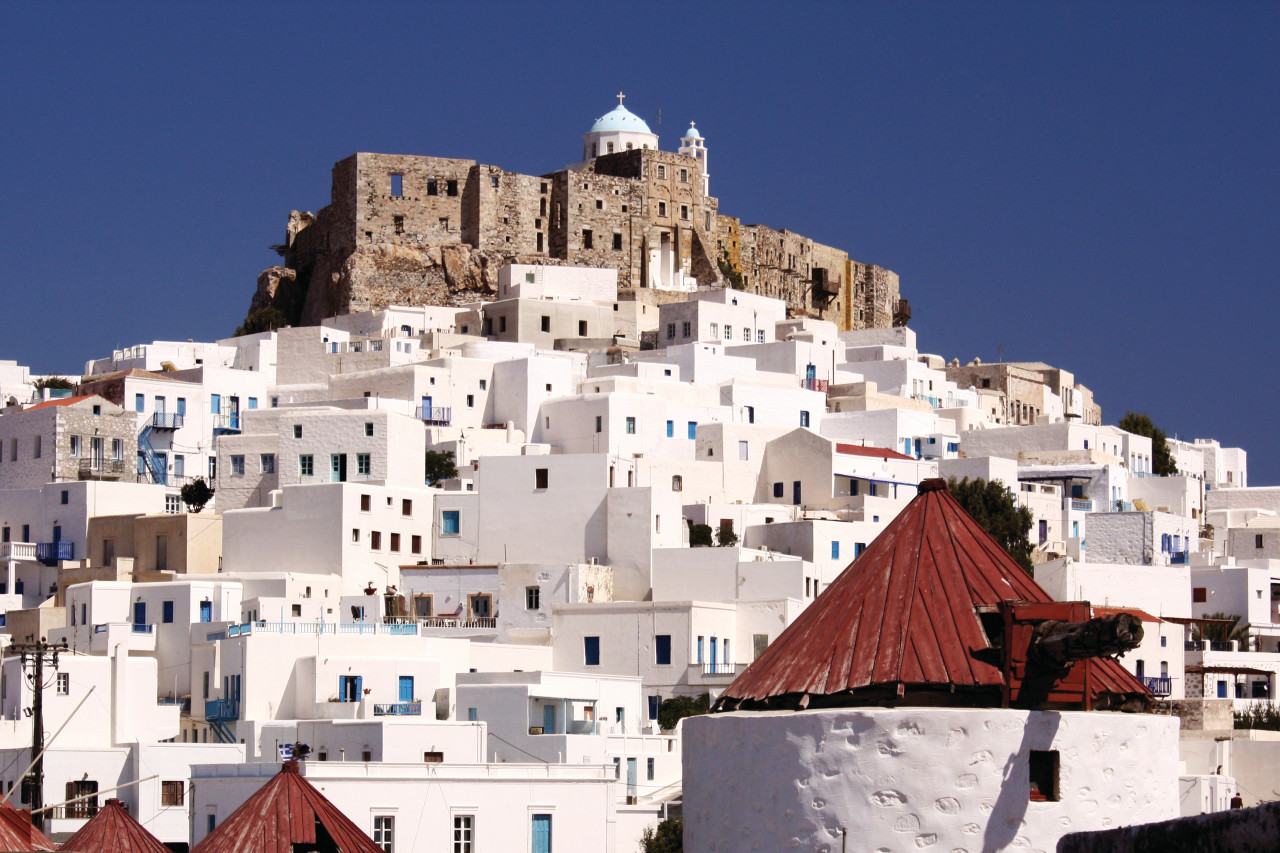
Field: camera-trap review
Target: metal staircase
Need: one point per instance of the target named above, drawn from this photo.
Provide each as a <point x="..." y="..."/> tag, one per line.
<point x="164" y="422"/>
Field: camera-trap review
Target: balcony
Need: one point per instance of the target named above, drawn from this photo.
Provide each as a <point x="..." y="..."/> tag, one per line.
<point x="142" y="628"/>
<point x="225" y="424"/>
<point x="18" y="551"/>
<point x="101" y="469"/>
<point x="221" y="710"/>
<point x="1159" y="686"/>
<point x="811" y="384"/>
<point x="397" y="709"/>
<point x="1082" y="504"/>
<point x="165" y="420"/>
<point x="434" y="415"/>
<point x="457" y="621"/>
<point x="52" y="552"/>
<point x="1179" y="559"/>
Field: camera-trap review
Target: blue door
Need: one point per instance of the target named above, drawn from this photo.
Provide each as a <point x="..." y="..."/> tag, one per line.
<point x="426" y="408"/>
<point x="810" y="373"/>
<point x="631" y="779"/>
<point x="139" y="613"/>
<point x="406" y="688"/>
<point x="541" y="834"/>
<point x="548" y="719"/>
<point x="713" y="654"/>
<point x="206" y="611"/>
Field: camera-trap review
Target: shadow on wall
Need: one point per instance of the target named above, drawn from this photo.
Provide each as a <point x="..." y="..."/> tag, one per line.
<point x="1011" y="806"/>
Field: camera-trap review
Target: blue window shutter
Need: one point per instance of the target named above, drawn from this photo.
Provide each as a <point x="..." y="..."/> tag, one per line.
<point x="693" y="429"/>
<point x="359" y="687"/>
<point x="541" y="833"/>
<point x="662" y="648"/>
<point x="167" y="611"/>
<point x="671" y="429"/>
<point x="835" y="550"/>
<point x="591" y="650"/>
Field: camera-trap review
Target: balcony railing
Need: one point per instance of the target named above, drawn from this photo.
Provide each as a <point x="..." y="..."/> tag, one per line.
<point x="458" y="622"/>
<point x="96" y="469"/>
<point x="18" y="551"/>
<point x="142" y="628"/>
<point x="73" y="811"/>
<point x="719" y="668"/>
<point x="49" y="552"/>
<point x="221" y="710"/>
<point x="1179" y="559"/>
<point x="1082" y="504"/>
<point x="397" y="709"/>
<point x="166" y="420"/>
<point x="436" y="415"/>
<point x="810" y="384"/>
<point x="1159" y="686"/>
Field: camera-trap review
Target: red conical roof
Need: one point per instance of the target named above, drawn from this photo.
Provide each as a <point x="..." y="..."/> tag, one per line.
<point x="902" y="616"/>
<point x="113" y="830"/>
<point x="17" y="834"/>
<point x="287" y="810"/>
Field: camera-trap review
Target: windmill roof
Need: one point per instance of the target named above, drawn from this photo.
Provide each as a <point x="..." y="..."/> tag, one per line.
<point x="17" y="835"/>
<point x="285" y="811"/>
<point x="903" y="614"/>
<point x="113" y="830"/>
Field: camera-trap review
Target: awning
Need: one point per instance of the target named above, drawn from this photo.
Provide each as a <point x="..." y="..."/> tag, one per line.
<point x="1230" y="670"/>
<point x="1112" y="611"/>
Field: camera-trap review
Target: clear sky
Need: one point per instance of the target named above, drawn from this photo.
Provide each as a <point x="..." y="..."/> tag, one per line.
<point x="1096" y="185"/>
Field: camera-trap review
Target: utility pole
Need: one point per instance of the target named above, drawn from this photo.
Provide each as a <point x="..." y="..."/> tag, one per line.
<point x="35" y="656"/>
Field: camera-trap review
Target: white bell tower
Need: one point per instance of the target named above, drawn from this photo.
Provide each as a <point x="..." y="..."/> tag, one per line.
<point x="694" y="145"/>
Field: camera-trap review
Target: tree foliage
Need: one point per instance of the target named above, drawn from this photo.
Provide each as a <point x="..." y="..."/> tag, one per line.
<point x="993" y="507"/>
<point x="1161" y="460"/>
<point x="699" y="535"/>
<point x="440" y="466"/>
<point x="675" y="709"/>
<point x="60" y="382"/>
<point x="668" y="837"/>
<point x="731" y="275"/>
<point x="196" y="494"/>
<point x="725" y="537"/>
<point x="266" y="319"/>
<point x="1225" y="628"/>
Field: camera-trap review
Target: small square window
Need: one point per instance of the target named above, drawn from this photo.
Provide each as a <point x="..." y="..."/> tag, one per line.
<point x="406" y="506"/>
<point x="1044" y="768"/>
<point x="368" y="429"/>
<point x="532" y="598"/>
<point x="297" y="430"/>
<point x="268" y="463"/>
<point x="64" y="683"/>
<point x="450" y="522"/>
<point x="366" y="503"/>
<point x="631" y="426"/>
<point x="364" y="464"/>
<point x="375" y="539"/>
<point x="540" y="478"/>
<point x="237" y="465"/>
<point x="306" y="465"/>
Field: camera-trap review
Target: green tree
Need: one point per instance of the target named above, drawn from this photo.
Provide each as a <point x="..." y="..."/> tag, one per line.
<point x="266" y="319"/>
<point x="731" y="275"/>
<point x="1223" y="628"/>
<point x="993" y="507"/>
<point x="60" y="382"/>
<point x="1161" y="461"/>
<point x="440" y="466"/>
<point x="699" y="535"/>
<point x="196" y="494"/>
<point x="675" y="709"/>
<point x="725" y="537"/>
<point x="668" y="837"/>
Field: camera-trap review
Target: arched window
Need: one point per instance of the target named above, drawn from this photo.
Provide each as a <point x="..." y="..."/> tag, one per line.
<point x="677" y="483"/>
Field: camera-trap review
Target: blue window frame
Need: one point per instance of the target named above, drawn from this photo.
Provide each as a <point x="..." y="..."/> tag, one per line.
<point x="215" y="404"/>
<point x="182" y="406"/>
<point x="139" y="402"/>
<point x="671" y="429"/>
<point x="253" y="402"/>
<point x="662" y="649"/>
<point x="693" y="429"/>
<point x="591" y="651"/>
<point x="541" y="834"/>
<point x="699" y="649"/>
<point x="449" y="521"/>
<point x="835" y="550"/>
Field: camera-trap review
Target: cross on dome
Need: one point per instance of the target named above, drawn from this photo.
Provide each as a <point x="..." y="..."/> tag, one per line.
<point x="620" y="97"/>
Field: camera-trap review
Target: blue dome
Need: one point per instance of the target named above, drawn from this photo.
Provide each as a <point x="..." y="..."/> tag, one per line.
<point x="691" y="133"/>
<point x="619" y="119"/>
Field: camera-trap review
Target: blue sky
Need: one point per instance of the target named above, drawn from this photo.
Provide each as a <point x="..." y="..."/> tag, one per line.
<point x="1093" y="185"/>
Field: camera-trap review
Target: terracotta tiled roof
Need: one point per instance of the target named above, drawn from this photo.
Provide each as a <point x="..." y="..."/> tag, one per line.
<point x="874" y="452"/>
<point x="60" y="401"/>
<point x="17" y="835"/>
<point x="113" y="830"/>
<point x="285" y="811"/>
<point x="903" y="615"/>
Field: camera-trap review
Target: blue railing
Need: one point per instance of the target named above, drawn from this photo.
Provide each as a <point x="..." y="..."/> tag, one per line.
<point x="142" y="628"/>
<point x="157" y="468"/>
<point x="166" y="420"/>
<point x="1159" y="686"/>
<point x="50" y="551"/>
<point x="394" y="629"/>
<point x="435" y="414"/>
<point x="221" y="709"/>
<point x="1082" y="505"/>
<point x="1179" y="558"/>
<point x="397" y="709"/>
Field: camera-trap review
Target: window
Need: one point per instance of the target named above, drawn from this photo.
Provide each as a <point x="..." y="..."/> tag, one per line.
<point x="384" y="828"/>
<point x="662" y="208"/>
<point x="432" y="187"/>
<point x="1257" y="539"/>
<point x="540" y="478"/>
<point x="700" y="641"/>
<point x="464" y="833"/>
<point x="1199" y="594"/>
<point x="139" y="402"/>
<point x="746" y="334"/>
<point x="684" y="176"/>
<point x="684" y="211"/>
<point x="649" y="769"/>
<point x="166" y="611"/>
<point x="451" y="187"/>
<point x="35" y="450"/>
<point x="760" y="336"/>
<point x="804" y="418"/>
<point x="778" y="490"/>
<point x="631" y="426"/>
<point x="297" y="430"/>
<point x="693" y="429"/>
<point x="728" y="332"/>
<point x="172" y="504"/>
<point x="375" y="540"/>
<point x="582" y="328"/>
<point x="684" y="329"/>
<point x="397" y="185"/>
<point x="406" y="507"/>
<point x="671" y="331"/>
<point x="546" y="323"/>
<point x="599" y="423"/>
<point x="415" y="544"/>
<point x="662" y="649"/>
<point x="835" y="550"/>
<point x="267" y="460"/>
<point x="742" y="450"/>
<point x="395" y="542"/>
<point x="237" y="465"/>
<point x="364" y="464"/>
<point x="677" y="483"/>
<point x="173" y="793"/>
<point x="117" y="448"/>
<point x="532" y="598"/>
<point x="64" y="683"/>
<point x="306" y="465"/>
<point x="586" y="238"/>
<point x="1044" y="775"/>
<point x="759" y="642"/>
<point x="450" y="520"/>
<point x="591" y="651"/>
<point x="617" y="242"/>
<point x="75" y="446"/>
<point x="662" y="171"/>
